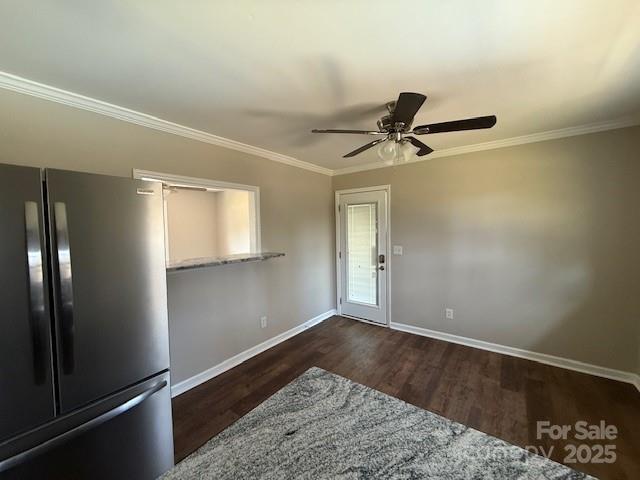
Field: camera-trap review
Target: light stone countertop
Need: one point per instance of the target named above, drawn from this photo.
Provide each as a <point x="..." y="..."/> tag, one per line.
<point x="204" y="262"/>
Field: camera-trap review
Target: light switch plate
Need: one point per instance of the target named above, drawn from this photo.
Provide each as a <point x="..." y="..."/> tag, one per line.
<point x="397" y="249"/>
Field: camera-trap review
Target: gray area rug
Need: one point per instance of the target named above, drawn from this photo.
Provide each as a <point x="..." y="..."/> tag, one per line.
<point x="322" y="425"/>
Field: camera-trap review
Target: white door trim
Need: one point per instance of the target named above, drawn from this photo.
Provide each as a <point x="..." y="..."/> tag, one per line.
<point x="376" y="188"/>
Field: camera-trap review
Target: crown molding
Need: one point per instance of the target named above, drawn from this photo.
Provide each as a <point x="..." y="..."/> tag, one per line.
<point x="507" y="142"/>
<point x="25" y="86"/>
<point x="28" y="87"/>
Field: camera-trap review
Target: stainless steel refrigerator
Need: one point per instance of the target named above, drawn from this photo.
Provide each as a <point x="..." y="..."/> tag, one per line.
<point x="84" y="349"/>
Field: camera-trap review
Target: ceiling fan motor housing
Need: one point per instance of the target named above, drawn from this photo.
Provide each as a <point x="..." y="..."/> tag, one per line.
<point x="384" y="124"/>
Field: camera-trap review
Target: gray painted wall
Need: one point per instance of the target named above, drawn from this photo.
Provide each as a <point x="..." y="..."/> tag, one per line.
<point x="214" y="313"/>
<point x="534" y="246"/>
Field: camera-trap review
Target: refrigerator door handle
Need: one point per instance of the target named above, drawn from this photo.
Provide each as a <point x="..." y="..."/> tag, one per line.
<point x="35" y="274"/>
<point x="31" y="453"/>
<point x="65" y="277"/>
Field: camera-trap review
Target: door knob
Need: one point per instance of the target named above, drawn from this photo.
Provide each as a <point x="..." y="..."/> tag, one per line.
<point x="381" y="267"/>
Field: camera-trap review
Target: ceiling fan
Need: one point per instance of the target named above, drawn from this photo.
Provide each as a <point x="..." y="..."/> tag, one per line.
<point x="395" y="127"/>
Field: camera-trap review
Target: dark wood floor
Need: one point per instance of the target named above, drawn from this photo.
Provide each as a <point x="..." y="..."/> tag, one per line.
<point x="497" y="394"/>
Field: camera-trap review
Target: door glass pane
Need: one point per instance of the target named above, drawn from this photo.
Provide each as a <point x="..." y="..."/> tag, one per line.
<point x="362" y="249"/>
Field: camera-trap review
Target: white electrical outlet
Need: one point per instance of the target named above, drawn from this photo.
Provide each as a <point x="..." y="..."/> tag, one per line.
<point x="397" y="249"/>
<point x="448" y="312"/>
<point x="263" y="322"/>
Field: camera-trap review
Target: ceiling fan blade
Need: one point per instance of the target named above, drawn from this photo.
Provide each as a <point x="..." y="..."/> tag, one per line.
<point x="406" y="107"/>
<point x="422" y="148"/>
<point x="361" y="132"/>
<point x="364" y="147"/>
<point x="457" y="125"/>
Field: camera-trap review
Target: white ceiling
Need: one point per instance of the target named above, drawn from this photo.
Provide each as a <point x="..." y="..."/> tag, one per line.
<point x="266" y="72"/>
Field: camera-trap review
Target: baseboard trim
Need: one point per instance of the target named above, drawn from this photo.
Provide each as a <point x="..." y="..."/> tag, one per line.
<point x="547" y="359"/>
<point x="236" y="360"/>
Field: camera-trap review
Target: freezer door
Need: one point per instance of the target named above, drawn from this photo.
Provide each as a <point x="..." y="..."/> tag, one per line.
<point x="124" y="436"/>
<point x="26" y="392"/>
<point x="108" y="271"/>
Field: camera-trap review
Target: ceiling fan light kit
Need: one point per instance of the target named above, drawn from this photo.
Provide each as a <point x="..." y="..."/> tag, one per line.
<point x="395" y="146"/>
<point x="395" y="153"/>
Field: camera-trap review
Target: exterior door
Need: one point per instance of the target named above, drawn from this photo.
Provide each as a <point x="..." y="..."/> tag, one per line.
<point x="26" y="387"/>
<point x="107" y="252"/>
<point x="363" y="255"/>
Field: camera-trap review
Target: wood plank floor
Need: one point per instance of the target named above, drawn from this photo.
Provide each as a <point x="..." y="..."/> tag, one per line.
<point x="497" y="394"/>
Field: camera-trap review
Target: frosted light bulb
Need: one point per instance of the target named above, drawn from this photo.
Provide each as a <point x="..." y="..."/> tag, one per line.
<point x="388" y="152"/>
<point x="406" y="152"/>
